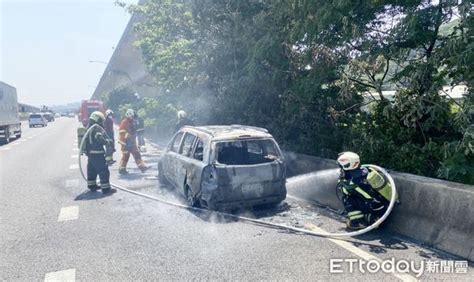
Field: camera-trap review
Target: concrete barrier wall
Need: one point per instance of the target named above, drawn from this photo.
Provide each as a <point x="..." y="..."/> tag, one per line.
<point x="436" y="212"/>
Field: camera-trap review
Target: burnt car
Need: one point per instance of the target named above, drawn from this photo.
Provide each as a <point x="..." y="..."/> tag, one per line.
<point x="225" y="167"/>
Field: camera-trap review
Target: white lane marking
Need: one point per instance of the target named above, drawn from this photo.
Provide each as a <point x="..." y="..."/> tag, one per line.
<point x="30" y="137"/>
<point x="62" y="275"/>
<point x="6" y="148"/>
<point x="74" y="166"/>
<point x="72" y="183"/>
<point x="68" y="213"/>
<point x="75" y="149"/>
<point x="362" y="254"/>
<point x="74" y="156"/>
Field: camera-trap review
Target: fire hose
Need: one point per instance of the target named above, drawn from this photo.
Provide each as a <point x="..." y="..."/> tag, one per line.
<point x="256" y="221"/>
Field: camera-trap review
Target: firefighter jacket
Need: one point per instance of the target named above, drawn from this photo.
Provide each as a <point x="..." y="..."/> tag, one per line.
<point x="354" y="183"/>
<point x="140" y="123"/>
<point x="109" y="126"/>
<point x="127" y="131"/>
<point x="183" y="122"/>
<point x="95" y="143"/>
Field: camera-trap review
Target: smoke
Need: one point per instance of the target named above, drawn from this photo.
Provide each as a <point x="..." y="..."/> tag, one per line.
<point x="316" y="177"/>
<point x="199" y="104"/>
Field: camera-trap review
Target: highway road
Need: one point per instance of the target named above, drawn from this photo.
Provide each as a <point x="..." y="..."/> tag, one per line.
<point x="51" y="228"/>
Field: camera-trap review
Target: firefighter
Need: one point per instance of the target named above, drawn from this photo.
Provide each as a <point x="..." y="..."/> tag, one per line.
<point x="183" y="120"/>
<point x="98" y="157"/>
<point x="362" y="202"/>
<point x="109" y="126"/>
<point x="128" y="142"/>
<point x="140" y="132"/>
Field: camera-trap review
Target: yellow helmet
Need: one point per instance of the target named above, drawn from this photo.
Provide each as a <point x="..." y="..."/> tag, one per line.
<point x="97" y="117"/>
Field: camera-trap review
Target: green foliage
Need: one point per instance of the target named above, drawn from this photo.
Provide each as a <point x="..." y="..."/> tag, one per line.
<point x="159" y="116"/>
<point x="169" y="42"/>
<point x="303" y="69"/>
<point x="116" y="100"/>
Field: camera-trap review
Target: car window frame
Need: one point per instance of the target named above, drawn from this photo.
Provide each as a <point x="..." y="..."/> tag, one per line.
<point x="196" y="141"/>
<point x="180" y="151"/>
<point x="215" y="143"/>
<point x="170" y="147"/>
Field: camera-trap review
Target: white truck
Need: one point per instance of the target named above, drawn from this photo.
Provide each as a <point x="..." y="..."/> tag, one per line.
<point x="10" y="126"/>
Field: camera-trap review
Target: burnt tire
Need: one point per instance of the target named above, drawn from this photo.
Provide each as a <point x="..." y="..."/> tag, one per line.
<point x="270" y="206"/>
<point x="6" y="139"/>
<point x="161" y="176"/>
<point x="190" y="199"/>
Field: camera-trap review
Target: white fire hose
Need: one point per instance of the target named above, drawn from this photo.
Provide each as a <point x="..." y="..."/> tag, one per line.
<point x="260" y="222"/>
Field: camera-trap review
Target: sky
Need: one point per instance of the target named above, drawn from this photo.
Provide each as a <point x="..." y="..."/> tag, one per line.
<point x="46" y="46"/>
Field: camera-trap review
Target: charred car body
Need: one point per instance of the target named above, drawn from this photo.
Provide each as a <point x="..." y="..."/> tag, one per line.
<point x="225" y="167"/>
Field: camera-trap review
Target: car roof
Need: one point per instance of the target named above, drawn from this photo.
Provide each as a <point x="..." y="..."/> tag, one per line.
<point x="226" y="132"/>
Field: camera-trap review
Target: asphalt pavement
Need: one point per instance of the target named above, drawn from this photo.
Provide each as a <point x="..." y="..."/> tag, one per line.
<point x="52" y="228"/>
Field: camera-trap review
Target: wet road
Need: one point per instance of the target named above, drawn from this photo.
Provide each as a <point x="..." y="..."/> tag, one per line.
<point x="52" y="228"/>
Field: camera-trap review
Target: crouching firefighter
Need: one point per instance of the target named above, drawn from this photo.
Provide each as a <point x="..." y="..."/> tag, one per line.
<point x="99" y="152"/>
<point x="366" y="193"/>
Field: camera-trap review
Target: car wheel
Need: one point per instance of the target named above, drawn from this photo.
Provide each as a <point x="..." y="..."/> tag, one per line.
<point x="190" y="199"/>
<point x="6" y="140"/>
<point x="270" y="206"/>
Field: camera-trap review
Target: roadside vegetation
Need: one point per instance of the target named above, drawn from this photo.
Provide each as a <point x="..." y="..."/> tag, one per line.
<point x="315" y="73"/>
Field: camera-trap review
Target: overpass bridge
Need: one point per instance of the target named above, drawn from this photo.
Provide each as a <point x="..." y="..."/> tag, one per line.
<point x="126" y="67"/>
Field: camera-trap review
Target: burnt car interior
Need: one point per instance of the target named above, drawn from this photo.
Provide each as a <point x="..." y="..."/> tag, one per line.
<point x="199" y="151"/>
<point x="246" y="152"/>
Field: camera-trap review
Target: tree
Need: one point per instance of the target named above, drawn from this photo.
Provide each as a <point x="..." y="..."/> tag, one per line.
<point x="303" y="69"/>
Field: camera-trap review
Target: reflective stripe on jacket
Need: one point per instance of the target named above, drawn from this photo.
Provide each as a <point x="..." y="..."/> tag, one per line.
<point x="95" y="142"/>
<point x="350" y="188"/>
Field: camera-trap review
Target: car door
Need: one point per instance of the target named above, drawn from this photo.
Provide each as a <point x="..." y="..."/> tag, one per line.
<point x="197" y="165"/>
<point x="184" y="162"/>
<point x="249" y="169"/>
<point x="170" y="159"/>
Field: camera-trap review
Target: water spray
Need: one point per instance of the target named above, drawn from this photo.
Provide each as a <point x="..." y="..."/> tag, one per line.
<point x="373" y="226"/>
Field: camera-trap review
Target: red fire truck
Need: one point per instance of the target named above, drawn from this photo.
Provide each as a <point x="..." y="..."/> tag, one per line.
<point x="87" y="108"/>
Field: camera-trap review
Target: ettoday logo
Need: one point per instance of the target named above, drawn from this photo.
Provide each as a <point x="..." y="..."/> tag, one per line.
<point x="392" y="266"/>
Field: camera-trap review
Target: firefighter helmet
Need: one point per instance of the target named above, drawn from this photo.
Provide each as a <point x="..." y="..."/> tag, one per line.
<point x="109" y="112"/>
<point x="130" y="113"/>
<point x="182" y="114"/>
<point x="348" y="160"/>
<point x="97" y="117"/>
